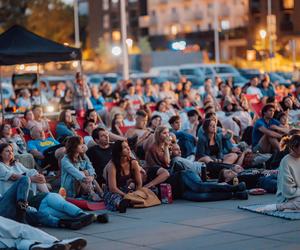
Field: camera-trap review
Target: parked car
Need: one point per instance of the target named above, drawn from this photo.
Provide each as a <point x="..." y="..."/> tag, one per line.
<point x="274" y="77"/>
<point x="249" y="73"/>
<point x="195" y="75"/>
<point x="213" y="70"/>
<point x="285" y="75"/>
<point x="171" y="73"/>
<point x="144" y="76"/>
<point x="112" y="78"/>
<point x="94" y="79"/>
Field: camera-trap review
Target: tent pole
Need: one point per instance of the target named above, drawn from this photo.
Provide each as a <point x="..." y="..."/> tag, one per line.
<point x="1" y="92"/>
<point x="38" y="81"/>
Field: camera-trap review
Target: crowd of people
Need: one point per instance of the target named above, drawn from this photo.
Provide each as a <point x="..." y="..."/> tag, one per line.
<point x="212" y="143"/>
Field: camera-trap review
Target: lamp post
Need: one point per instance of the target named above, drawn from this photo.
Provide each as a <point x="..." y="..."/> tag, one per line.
<point x="76" y="24"/>
<point x="263" y="35"/>
<point x="216" y="32"/>
<point x="124" y="37"/>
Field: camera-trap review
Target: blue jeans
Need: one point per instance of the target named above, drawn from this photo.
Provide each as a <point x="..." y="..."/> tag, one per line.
<point x="52" y="208"/>
<point x="17" y="192"/>
<point x="56" y="207"/>
<point x="196" y="190"/>
<point x="269" y="183"/>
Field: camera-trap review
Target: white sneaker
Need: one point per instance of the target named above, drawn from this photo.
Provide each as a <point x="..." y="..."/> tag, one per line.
<point x="266" y="208"/>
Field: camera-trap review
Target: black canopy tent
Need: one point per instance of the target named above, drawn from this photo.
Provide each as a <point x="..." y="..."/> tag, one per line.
<point x="19" y="46"/>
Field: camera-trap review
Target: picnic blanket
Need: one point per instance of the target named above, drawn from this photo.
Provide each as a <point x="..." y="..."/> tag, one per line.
<point x="286" y="214"/>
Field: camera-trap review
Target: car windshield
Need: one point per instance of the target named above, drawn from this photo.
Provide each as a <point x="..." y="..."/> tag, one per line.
<point x="224" y="70"/>
<point x="110" y="79"/>
<point x="189" y="72"/>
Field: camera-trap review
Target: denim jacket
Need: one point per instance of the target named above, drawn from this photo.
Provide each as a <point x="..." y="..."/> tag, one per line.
<point x="203" y="150"/>
<point x="70" y="172"/>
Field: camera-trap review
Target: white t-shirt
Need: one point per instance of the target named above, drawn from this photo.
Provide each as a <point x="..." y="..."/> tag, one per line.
<point x="254" y="91"/>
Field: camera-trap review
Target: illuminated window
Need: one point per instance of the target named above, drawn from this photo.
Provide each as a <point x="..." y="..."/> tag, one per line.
<point x="106" y="21"/>
<point x="288" y="4"/>
<point x="174" y="29"/>
<point x="105" y="5"/>
<point x="116" y="35"/>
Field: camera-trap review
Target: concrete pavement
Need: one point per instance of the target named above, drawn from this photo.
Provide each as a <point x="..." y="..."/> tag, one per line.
<point x="191" y="225"/>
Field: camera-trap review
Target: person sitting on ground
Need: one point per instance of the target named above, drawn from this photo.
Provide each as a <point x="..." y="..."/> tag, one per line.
<point x="290" y="105"/>
<point x="130" y="116"/>
<point x="42" y="148"/>
<point x="24" y="101"/>
<point x="194" y="121"/>
<point x="38" y="98"/>
<point x="10" y="166"/>
<point x="162" y="111"/>
<point x="288" y="183"/>
<point x="122" y="176"/>
<point x="253" y="89"/>
<point x="283" y="119"/>
<point x="97" y="100"/>
<point x="194" y="189"/>
<point x="210" y="145"/>
<point x="178" y="162"/>
<point x="267" y="132"/>
<point x="101" y="153"/>
<point x="187" y="142"/>
<point x="88" y="128"/>
<point x="117" y="122"/>
<point x="14" y="190"/>
<point x="77" y="172"/>
<point x="91" y="114"/>
<point x="27" y="119"/>
<point x="66" y="126"/>
<point x="266" y="87"/>
<point x="141" y="132"/>
<point x="274" y="161"/>
<point x="16" y="235"/>
<point x="254" y="178"/>
<point x="154" y="122"/>
<point x="158" y="157"/>
<point x="52" y="209"/>
<point x="288" y="188"/>
<point x="39" y="120"/>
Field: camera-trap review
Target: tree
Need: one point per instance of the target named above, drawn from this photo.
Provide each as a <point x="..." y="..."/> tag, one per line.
<point x="144" y="45"/>
<point x="12" y="12"/>
<point x="52" y="19"/>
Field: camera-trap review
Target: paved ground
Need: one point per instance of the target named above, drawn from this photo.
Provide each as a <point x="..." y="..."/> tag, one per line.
<point x="190" y="225"/>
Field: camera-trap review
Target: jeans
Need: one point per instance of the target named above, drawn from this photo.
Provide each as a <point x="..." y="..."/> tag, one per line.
<point x="196" y="190"/>
<point x="56" y="208"/>
<point x="268" y="183"/>
<point x="17" y="192"/>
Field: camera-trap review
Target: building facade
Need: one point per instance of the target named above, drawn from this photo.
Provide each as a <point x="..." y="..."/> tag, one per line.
<point x="105" y="18"/>
<point x="193" y="22"/>
<point x="286" y="21"/>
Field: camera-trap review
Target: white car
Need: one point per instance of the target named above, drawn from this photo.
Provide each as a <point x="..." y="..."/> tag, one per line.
<point x="213" y="70"/>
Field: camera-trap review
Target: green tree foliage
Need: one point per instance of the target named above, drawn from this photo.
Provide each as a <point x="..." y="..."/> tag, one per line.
<point x="52" y="19"/>
<point x="144" y="45"/>
<point x="12" y="12"/>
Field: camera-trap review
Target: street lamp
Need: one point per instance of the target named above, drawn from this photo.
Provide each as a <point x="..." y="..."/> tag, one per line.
<point x="116" y="50"/>
<point x="263" y="35"/>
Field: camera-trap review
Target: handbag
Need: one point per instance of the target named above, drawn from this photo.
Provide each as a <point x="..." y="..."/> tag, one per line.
<point x="142" y="197"/>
